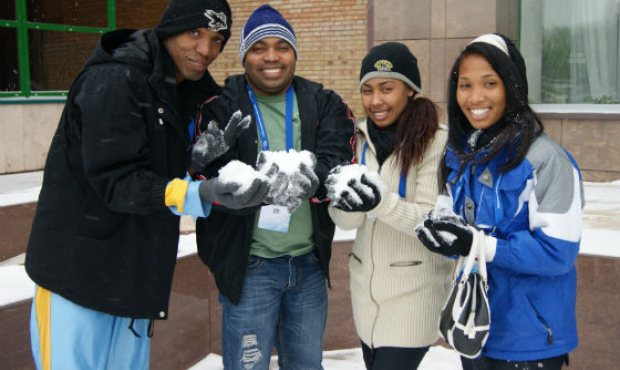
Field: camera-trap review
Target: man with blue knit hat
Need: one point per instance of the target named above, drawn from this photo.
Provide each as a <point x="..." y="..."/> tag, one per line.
<point x="273" y="279"/>
<point x="104" y="239"/>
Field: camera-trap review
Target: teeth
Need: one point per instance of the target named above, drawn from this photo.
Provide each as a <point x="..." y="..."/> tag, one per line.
<point x="275" y="70"/>
<point x="479" y="112"/>
<point x="380" y="114"/>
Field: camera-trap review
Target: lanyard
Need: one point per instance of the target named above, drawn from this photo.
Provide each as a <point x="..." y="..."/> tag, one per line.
<point x="261" y="125"/>
<point x="402" y="185"/>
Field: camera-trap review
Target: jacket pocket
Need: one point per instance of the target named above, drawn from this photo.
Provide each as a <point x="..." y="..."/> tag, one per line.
<point x="541" y="321"/>
<point x="98" y="221"/>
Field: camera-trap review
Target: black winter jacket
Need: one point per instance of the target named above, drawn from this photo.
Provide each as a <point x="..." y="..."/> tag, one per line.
<point x="327" y="129"/>
<point x="102" y="236"/>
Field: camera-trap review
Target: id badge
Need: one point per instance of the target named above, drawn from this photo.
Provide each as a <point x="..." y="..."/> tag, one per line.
<point x="275" y="218"/>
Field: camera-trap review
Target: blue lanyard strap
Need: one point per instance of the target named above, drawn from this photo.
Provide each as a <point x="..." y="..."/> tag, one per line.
<point x="261" y="125"/>
<point x="402" y="185"/>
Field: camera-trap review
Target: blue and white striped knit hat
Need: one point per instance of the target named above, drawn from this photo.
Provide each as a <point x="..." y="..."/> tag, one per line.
<point x="264" y="22"/>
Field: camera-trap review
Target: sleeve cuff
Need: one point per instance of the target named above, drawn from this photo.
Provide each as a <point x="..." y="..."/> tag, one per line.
<point x="175" y="193"/>
<point x="490" y="247"/>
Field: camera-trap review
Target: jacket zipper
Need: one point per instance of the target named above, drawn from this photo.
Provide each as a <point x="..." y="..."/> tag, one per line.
<point x="372" y="233"/>
<point x="374" y="324"/>
<point x="542" y="321"/>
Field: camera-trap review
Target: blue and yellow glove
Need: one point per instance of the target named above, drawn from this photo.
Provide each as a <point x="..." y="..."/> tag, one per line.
<point x="183" y="199"/>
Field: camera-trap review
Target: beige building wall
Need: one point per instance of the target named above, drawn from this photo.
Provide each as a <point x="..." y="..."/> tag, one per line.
<point x="26" y="131"/>
<point x="437" y="30"/>
<point x="333" y="38"/>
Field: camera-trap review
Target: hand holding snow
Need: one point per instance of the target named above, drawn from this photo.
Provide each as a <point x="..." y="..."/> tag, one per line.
<point x="214" y="142"/>
<point x="354" y="188"/>
<point x="237" y="172"/>
<point x="238" y="186"/>
<point x="291" y="176"/>
<point x="437" y="239"/>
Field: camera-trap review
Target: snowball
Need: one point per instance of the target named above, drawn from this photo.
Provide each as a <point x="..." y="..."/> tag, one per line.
<point x="288" y="162"/>
<point x="238" y="172"/>
<point x="339" y="182"/>
<point x="284" y="189"/>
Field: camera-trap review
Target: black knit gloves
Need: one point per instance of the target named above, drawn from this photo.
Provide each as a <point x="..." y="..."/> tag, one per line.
<point x="445" y="234"/>
<point x="214" y="142"/>
<point x="352" y="188"/>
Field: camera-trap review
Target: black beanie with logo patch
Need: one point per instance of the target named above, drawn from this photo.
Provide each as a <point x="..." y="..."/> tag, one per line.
<point x="391" y="60"/>
<point x="187" y="15"/>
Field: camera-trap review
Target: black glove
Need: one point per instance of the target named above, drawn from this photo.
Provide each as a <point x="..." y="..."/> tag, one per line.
<point x="447" y="235"/>
<point x="365" y="197"/>
<point x="214" y="142"/>
<point x="231" y="194"/>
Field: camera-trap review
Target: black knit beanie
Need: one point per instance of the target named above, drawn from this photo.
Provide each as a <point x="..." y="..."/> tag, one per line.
<point x="391" y="60"/>
<point x="186" y="15"/>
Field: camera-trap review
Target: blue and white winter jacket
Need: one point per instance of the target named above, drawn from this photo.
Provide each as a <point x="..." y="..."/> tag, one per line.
<point x="534" y="211"/>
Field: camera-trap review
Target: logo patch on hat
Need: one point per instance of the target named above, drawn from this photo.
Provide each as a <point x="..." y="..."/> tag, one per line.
<point x="217" y="21"/>
<point x="384" y="65"/>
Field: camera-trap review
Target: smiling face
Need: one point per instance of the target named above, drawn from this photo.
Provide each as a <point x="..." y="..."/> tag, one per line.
<point x="384" y="99"/>
<point x="270" y="66"/>
<point x="193" y="51"/>
<point x="480" y="92"/>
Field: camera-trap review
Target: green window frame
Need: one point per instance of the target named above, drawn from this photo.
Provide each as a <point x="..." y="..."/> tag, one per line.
<point x="22" y="25"/>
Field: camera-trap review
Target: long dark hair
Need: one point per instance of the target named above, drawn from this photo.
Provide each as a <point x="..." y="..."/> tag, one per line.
<point x="417" y="125"/>
<point x="520" y="125"/>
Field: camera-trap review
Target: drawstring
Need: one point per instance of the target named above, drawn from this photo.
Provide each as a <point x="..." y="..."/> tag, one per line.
<point x="149" y="332"/>
<point x="151" y="329"/>
<point x="130" y="327"/>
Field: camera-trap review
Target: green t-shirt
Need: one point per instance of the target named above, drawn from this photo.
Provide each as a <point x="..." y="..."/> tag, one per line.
<point x="298" y="240"/>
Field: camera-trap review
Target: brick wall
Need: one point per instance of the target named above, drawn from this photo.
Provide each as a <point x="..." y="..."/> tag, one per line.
<point x="331" y="37"/>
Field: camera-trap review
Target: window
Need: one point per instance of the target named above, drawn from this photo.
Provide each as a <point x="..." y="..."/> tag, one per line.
<point x="572" y="50"/>
<point x="45" y="43"/>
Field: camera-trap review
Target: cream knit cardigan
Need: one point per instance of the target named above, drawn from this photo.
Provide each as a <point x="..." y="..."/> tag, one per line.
<point x="396" y="304"/>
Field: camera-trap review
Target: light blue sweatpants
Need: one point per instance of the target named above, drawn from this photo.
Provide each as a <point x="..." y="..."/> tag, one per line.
<point x="66" y="336"/>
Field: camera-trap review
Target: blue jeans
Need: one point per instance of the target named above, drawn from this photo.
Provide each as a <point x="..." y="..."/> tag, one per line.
<point x="283" y="304"/>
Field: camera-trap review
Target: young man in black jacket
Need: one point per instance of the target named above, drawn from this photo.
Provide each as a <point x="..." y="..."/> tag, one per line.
<point x="273" y="283"/>
<point x="103" y="244"/>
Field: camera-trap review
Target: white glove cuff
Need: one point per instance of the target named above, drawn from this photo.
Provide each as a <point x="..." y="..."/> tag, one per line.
<point x="490" y="246"/>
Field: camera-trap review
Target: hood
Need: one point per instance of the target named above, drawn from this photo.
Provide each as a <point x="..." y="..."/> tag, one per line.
<point x="123" y="46"/>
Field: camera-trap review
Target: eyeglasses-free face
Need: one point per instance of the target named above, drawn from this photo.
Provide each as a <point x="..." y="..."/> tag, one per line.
<point x="384" y="99"/>
<point x="480" y="92"/>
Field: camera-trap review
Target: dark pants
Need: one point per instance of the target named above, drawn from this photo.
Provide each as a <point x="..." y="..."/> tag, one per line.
<point x="486" y="363"/>
<point x="392" y="358"/>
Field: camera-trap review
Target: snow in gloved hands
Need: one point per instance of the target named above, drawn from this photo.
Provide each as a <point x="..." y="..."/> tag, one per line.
<point x="240" y="173"/>
<point x="346" y="180"/>
<point x="291" y="176"/>
<point x="443" y="213"/>
<point x="214" y="142"/>
<point x="238" y="186"/>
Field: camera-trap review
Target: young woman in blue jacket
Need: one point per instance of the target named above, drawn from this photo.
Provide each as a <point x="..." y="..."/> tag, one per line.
<point x="521" y="193"/>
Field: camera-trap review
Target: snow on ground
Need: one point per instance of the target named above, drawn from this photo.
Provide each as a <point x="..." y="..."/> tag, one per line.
<point x="601" y="230"/>
<point x="437" y="358"/>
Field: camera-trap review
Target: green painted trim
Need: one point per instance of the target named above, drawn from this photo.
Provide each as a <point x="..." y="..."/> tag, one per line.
<point x="53" y="27"/>
<point x="7" y="23"/>
<point x="22" y="25"/>
<point x="111" y="14"/>
<point x="519" y="25"/>
<point x="26" y="100"/>
<point x="23" y="48"/>
<point x="64" y="28"/>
